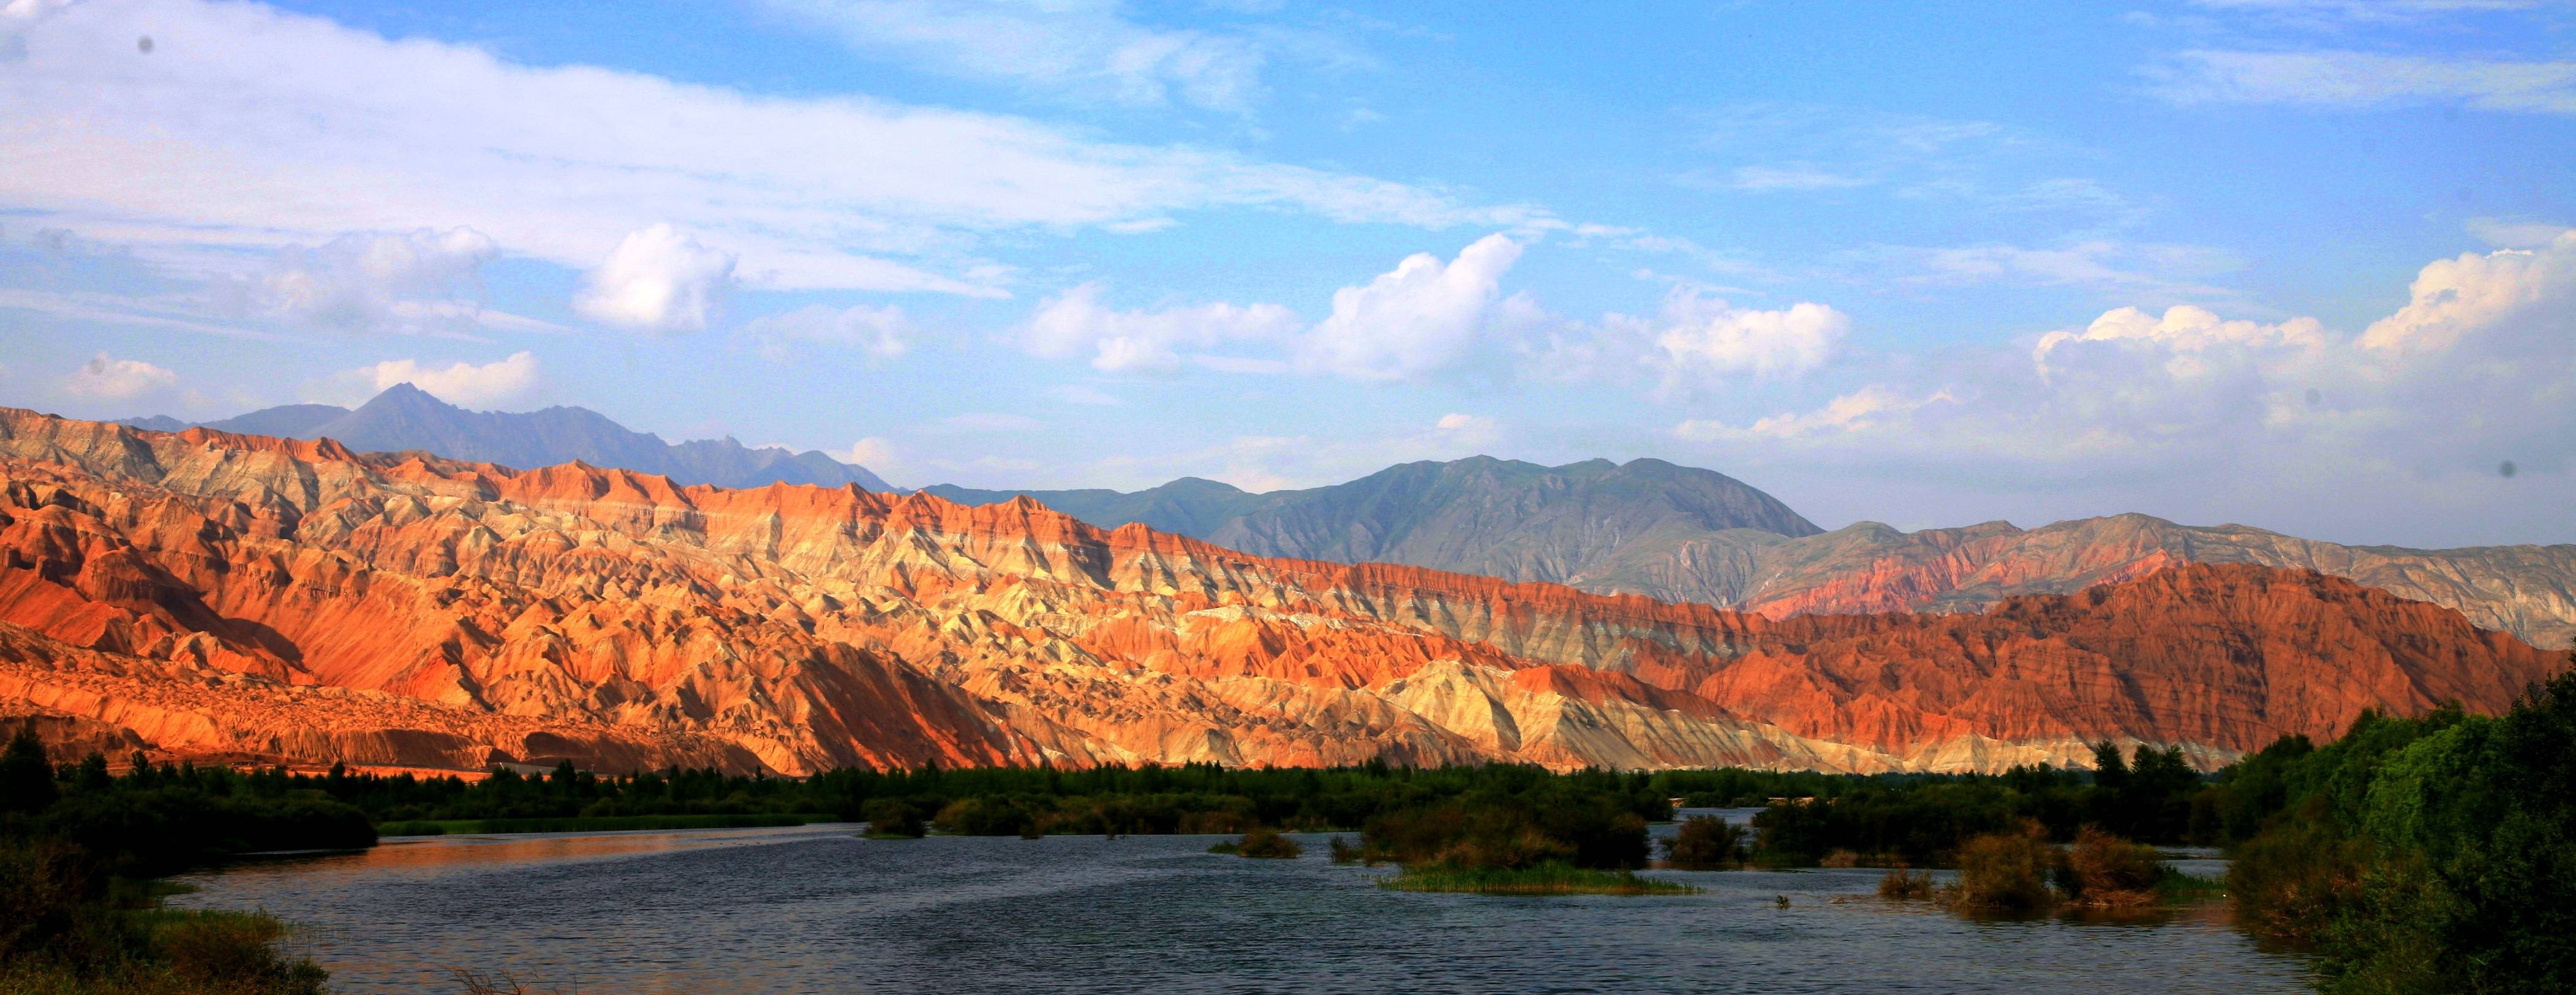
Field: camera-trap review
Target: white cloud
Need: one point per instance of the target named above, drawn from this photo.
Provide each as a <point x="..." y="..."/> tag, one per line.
<point x="2183" y="330"/>
<point x="2197" y="410"/>
<point x="879" y="332"/>
<point x="1421" y="317"/>
<point x="874" y="453"/>
<point x="504" y="381"/>
<point x="1706" y="335"/>
<point x="370" y="281"/>
<point x="251" y="127"/>
<point x="658" y="280"/>
<point x="2365" y="79"/>
<point x="110" y="378"/>
<point x="1075" y="323"/>
<point x="1858" y="411"/>
<point x="1065" y="48"/>
<point x="2476" y="294"/>
<point x="1469" y="430"/>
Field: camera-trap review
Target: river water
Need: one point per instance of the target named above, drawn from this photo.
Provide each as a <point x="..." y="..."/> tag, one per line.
<point x="814" y="909"/>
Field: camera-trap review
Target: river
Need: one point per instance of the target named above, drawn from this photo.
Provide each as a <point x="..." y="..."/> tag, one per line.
<point x="814" y="909"/>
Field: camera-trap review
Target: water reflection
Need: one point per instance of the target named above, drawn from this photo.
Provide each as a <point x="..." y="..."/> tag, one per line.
<point x="812" y="909"/>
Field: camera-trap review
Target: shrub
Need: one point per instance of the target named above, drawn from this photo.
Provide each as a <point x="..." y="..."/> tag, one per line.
<point x="1268" y="844"/>
<point x="2002" y="872"/>
<point x="1582" y="831"/>
<point x="1901" y="883"/>
<point x="894" y="817"/>
<point x="1346" y="852"/>
<point x="1705" y="843"/>
<point x="2102" y="869"/>
<point x="231" y="952"/>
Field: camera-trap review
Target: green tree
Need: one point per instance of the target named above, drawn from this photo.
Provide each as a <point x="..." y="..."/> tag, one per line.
<point x="26" y="777"/>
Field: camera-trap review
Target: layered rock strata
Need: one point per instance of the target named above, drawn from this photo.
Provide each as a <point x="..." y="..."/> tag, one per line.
<point x="221" y="595"/>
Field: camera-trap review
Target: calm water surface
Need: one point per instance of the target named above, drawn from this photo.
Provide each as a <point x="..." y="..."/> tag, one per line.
<point x="813" y="909"/>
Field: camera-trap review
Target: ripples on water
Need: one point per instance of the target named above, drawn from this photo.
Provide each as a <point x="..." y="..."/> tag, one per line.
<point x="812" y="909"/>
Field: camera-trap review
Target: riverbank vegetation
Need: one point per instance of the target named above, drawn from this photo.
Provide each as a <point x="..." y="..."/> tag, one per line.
<point x="1551" y="837"/>
<point x="1705" y="843"/>
<point x="78" y="913"/>
<point x="2430" y="854"/>
<point x="1261" y="844"/>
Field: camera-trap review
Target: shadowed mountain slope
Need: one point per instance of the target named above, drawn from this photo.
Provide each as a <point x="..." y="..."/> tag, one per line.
<point x="1676" y="534"/>
<point x="406" y="418"/>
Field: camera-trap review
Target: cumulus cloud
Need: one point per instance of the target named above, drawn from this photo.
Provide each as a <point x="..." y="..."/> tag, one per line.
<point x="1702" y="334"/>
<point x="1076" y="323"/>
<point x="109" y="378"/>
<point x="504" y="381"/>
<point x="2475" y="294"/>
<point x="658" y="280"/>
<point x="1422" y="316"/>
<point x="877" y="332"/>
<point x="875" y="453"/>
<point x="2295" y="417"/>
<point x="2180" y="334"/>
<point x="1429" y="317"/>
<point x="416" y="280"/>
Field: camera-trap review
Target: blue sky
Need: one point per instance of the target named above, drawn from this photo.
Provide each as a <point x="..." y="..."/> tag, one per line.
<point x="2297" y="263"/>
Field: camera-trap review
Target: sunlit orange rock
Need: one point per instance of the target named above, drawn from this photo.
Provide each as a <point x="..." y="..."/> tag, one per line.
<point x="225" y="596"/>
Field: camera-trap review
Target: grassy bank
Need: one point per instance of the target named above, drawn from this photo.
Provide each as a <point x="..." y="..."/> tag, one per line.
<point x="594" y="824"/>
<point x="1545" y="879"/>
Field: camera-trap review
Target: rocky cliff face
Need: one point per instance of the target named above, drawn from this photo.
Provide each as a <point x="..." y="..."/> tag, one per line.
<point x="239" y="596"/>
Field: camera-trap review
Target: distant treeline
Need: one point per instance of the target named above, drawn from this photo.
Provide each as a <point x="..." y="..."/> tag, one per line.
<point x="1919" y="817"/>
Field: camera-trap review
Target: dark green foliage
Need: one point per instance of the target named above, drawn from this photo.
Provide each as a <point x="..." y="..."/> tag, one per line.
<point x="2431" y="854"/>
<point x="1261" y="843"/>
<point x="46" y="886"/>
<point x="162" y="830"/>
<point x="26" y="778"/>
<point x="74" y="842"/>
<point x="61" y="931"/>
<point x="1547" y="822"/>
<point x="1705" y="843"/>
<point x="894" y="817"/>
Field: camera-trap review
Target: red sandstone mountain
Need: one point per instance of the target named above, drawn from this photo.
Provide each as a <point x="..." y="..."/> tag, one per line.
<point x="210" y="594"/>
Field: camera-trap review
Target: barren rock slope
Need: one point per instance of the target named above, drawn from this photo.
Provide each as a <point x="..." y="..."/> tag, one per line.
<point x="222" y="595"/>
